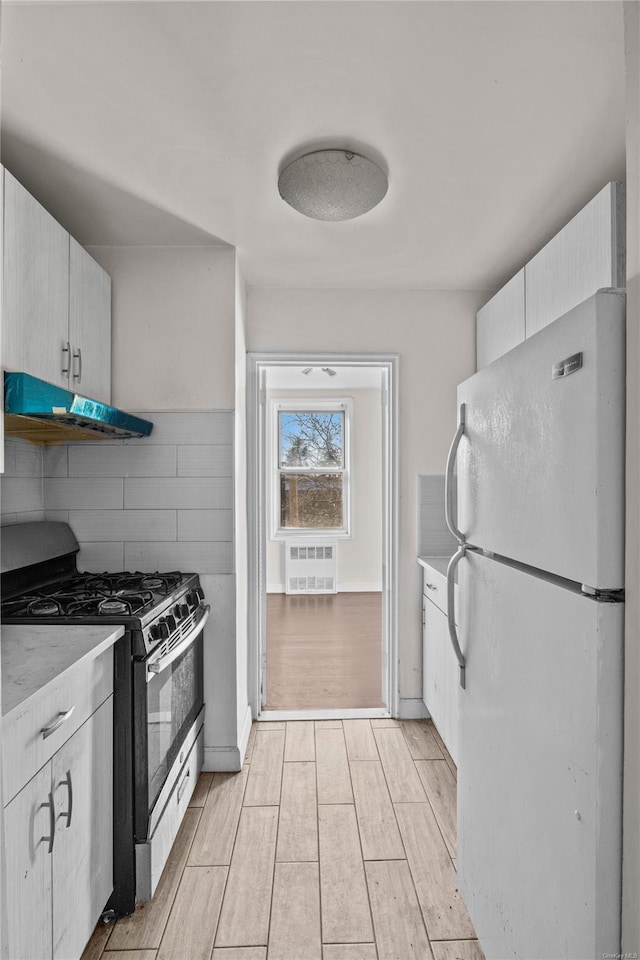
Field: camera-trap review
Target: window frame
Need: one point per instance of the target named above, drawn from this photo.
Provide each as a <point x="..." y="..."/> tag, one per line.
<point x="309" y="405"/>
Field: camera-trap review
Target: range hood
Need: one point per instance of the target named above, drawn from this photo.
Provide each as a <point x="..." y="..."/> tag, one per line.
<point x="44" y="413"/>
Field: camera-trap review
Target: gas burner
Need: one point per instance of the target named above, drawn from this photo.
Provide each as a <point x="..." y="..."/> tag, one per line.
<point x="153" y="583"/>
<point x="44" y="607"/>
<point x="112" y="607"/>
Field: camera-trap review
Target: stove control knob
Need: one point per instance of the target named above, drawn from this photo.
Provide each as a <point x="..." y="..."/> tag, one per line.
<point x="161" y="630"/>
<point x="192" y="599"/>
<point x="181" y="610"/>
<point x="171" y="623"/>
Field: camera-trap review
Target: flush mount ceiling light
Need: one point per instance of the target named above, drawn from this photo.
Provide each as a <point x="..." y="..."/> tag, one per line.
<point x="332" y="184"/>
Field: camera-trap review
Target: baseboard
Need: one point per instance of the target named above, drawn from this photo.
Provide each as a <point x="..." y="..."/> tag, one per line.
<point x="342" y="588"/>
<point x="245" y="730"/>
<point x="222" y="759"/>
<point x="412" y="709"/>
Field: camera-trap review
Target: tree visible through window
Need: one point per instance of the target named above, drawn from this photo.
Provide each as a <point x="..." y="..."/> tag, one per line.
<point x="311" y="464"/>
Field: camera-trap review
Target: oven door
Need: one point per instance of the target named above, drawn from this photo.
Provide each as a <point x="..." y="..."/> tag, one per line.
<point x="167" y="698"/>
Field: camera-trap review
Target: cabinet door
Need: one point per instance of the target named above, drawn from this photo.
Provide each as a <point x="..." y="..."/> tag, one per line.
<point x="28" y="869"/>
<point x="586" y="255"/>
<point x="500" y="323"/>
<point x="89" y="325"/>
<point x="35" y="319"/>
<point x="440" y="676"/>
<point x="82" y="778"/>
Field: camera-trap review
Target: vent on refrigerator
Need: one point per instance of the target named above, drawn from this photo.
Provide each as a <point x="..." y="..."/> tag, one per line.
<point x="310" y="567"/>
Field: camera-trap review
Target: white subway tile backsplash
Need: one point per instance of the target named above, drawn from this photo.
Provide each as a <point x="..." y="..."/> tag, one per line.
<point x="28" y="459"/>
<point x="56" y="462"/>
<point x="165" y="502"/>
<point x="28" y="516"/>
<point x="205" y="525"/>
<point x="21" y="494"/>
<point x="122" y="461"/>
<point x="105" y="525"/>
<point x="161" y="493"/>
<point x="205" y="460"/>
<point x="198" y="557"/>
<point x="101" y="557"/>
<point x="87" y="494"/>
<point x="10" y="457"/>
<point x="434" y="537"/>
<point x="213" y="426"/>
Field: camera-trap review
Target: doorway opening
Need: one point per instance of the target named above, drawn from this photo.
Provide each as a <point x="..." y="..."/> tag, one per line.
<point x="322" y="535"/>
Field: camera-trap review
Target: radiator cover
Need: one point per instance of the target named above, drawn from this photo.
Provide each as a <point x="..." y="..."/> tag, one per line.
<point x="310" y="566"/>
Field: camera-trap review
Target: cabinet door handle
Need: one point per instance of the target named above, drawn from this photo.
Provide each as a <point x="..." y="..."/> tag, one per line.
<point x="430" y="586"/>
<point x="66" y="361"/>
<point x="60" y="719"/>
<point x="77" y="355"/>
<point x="52" y="823"/>
<point x="67" y="782"/>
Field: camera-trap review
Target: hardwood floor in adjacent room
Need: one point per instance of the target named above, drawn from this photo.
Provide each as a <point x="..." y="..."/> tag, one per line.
<point x="335" y="842"/>
<point x="324" y="652"/>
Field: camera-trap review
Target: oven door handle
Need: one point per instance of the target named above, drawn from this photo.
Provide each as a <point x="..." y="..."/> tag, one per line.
<point x="157" y="666"/>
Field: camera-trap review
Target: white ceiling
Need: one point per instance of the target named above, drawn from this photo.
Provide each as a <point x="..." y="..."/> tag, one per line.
<point x="166" y="122"/>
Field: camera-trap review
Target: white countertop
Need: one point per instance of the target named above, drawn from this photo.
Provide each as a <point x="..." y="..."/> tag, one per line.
<point x="33" y="655"/>
<point x="439" y="564"/>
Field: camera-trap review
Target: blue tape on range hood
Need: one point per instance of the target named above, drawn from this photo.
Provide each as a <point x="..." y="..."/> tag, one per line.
<point x="26" y="396"/>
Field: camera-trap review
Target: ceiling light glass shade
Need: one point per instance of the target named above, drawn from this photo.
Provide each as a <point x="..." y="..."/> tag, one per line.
<point x="332" y="184"/>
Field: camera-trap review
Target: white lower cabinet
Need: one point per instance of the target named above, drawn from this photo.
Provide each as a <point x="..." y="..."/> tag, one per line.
<point x="59" y="843"/>
<point x="440" y="683"/>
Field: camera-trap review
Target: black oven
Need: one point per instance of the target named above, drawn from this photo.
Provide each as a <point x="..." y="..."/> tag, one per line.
<point x="167" y="700"/>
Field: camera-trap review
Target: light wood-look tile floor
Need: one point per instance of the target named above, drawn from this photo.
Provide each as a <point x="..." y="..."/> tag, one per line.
<point x="337" y="841"/>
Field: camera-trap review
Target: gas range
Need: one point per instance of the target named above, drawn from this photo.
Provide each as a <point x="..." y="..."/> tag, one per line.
<point x="159" y="607"/>
<point x="158" y="700"/>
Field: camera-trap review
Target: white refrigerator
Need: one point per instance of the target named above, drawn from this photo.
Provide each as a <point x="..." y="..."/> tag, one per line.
<point x="540" y="520"/>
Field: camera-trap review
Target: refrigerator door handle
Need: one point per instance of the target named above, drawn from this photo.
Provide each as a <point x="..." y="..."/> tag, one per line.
<point x="451" y="613"/>
<point x="448" y="480"/>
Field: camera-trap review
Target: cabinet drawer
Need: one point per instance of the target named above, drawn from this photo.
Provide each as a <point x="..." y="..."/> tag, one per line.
<point x="25" y="749"/>
<point x="152" y="855"/>
<point x="435" y="588"/>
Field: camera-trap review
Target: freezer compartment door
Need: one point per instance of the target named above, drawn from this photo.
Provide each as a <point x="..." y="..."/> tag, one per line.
<point x="540" y="766"/>
<point x="541" y="463"/>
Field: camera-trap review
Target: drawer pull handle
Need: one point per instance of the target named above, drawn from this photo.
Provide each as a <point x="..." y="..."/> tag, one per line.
<point x="183" y="785"/>
<point x="430" y="586"/>
<point x="67" y="782"/>
<point x="60" y="719"/>
<point x="52" y="823"/>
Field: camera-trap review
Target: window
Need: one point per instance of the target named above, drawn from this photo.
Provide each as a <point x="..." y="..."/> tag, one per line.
<point x="312" y="468"/>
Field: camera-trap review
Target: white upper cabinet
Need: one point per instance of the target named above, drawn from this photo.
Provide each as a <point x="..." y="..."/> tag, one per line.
<point x="56" y="301"/>
<point x="89" y="324"/>
<point x="586" y="255"/>
<point x="35" y="318"/>
<point x="500" y="323"/>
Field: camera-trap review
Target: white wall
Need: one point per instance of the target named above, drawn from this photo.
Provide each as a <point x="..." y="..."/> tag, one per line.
<point x="240" y="533"/>
<point x="360" y="557"/>
<point x="433" y="334"/>
<point x="173" y="349"/>
<point x="173" y="335"/>
<point x="631" y="825"/>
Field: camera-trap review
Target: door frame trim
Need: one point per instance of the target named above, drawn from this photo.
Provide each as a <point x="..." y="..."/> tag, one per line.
<point x="257" y="515"/>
